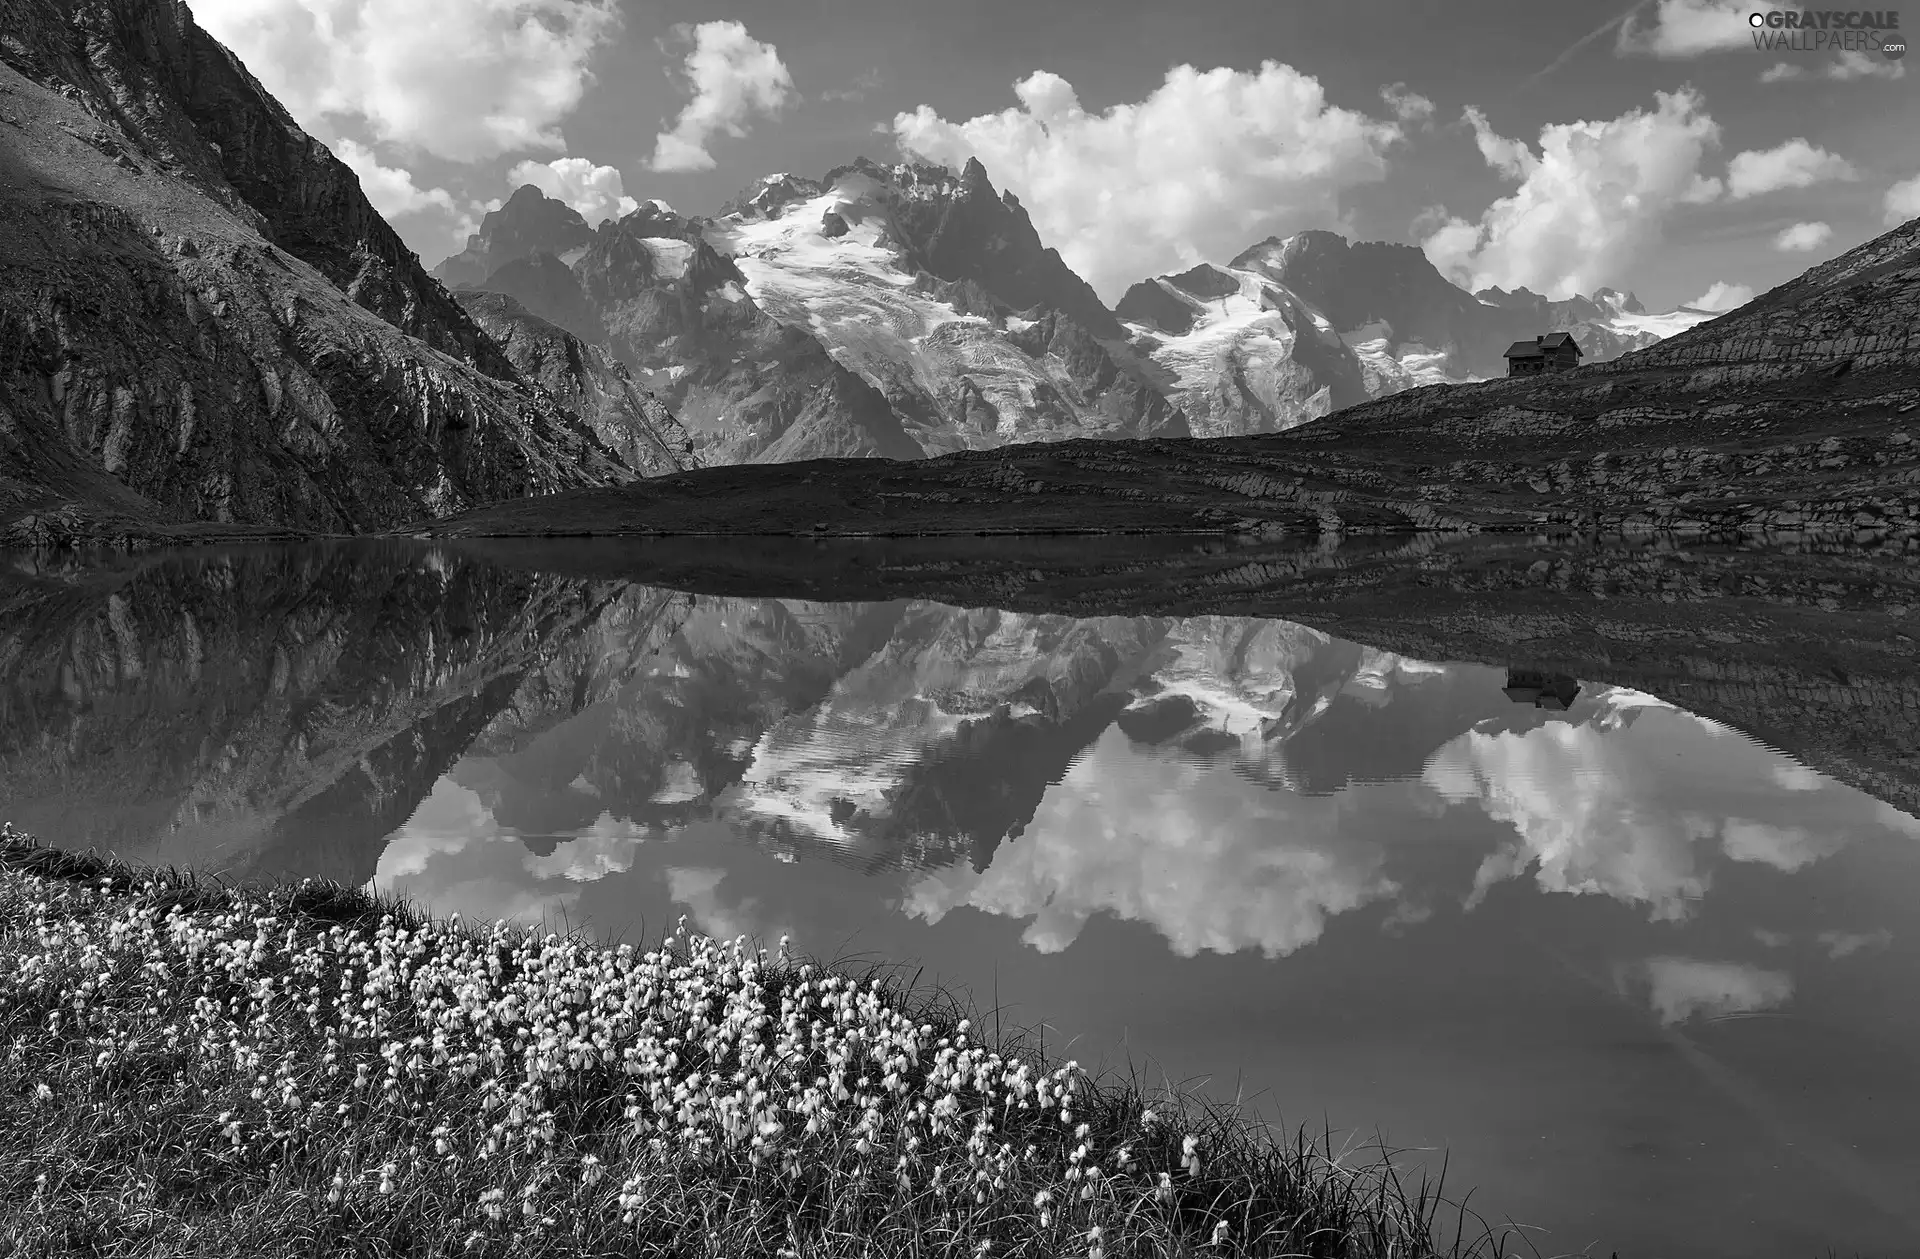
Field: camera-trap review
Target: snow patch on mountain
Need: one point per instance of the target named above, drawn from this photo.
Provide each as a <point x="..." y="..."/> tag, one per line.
<point x="829" y="257"/>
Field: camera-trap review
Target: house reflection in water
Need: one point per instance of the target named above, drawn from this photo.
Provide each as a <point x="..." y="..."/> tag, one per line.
<point x="1555" y="691"/>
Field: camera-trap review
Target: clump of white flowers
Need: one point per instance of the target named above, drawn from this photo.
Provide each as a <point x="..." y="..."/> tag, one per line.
<point x="541" y="1084"/>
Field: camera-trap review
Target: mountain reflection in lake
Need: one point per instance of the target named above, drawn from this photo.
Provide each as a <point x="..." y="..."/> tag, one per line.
<point x="1629" y="966"/>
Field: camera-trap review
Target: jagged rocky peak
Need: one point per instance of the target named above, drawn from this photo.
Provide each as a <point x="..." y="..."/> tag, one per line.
<point x="528" y="222"/>
<point x="958" y="227"/>
<point x="768" y="195"/>
<point x="1204" y="281"/>
<point x="1614" y="298"/>
<point x="652" y="218"/>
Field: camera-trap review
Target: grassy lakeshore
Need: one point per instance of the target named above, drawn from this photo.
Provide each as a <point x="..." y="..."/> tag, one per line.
<point x="200" y="1069"/>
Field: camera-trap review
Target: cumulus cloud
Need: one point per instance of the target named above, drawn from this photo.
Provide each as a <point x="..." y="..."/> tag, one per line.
<point x="1588" y="204"/>
<point x="1802" y="237"/>
<point x="1841" y="944"/>
<point x="463" y="79"/>
<point x="1722" y="296"/>
<point x="390" y="188"/>
<point x="431" y="220"/>
<point x="1205" y="164"/>
<point x="1792" y="164"/>
<point x="1599" y="811"/>
<point x="1681" y="29"/>
<point x="1407" y="106"/>
<point x="1679" y="988"/>
<point x="595" y="191"/>
<point x="734" y="78"/>
<point x="1209" y="859"/>
<point x="1902" y="202"/>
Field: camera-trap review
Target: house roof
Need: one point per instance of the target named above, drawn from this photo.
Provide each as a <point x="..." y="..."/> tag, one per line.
<point x="1554" y="340"/>
<point x="1524" y="349"/>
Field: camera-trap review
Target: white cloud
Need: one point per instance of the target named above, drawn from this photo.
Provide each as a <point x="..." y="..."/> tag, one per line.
<point x="1407" y="106"/>
<point x="1203" y="165"/>
<point x="1840" y="944"/>
<point x="390" y="188"/>
<point x="1682" y="987"/>
<point x="1209" y="859"/>
<point x="1792" y="164"/>
<point x="1597" y="809"/>
<point x="1689" y="28"/>
<point x="1902" y="202"/>
<point x="429" y="219"/>
<point x="1722" y="296"/>
<point x="595" y="191"/>
<point x="734" y="78"/>
<point x="1802" y="237"/>
<point x="1589" y="204"/>
<point x="464" y="79"/>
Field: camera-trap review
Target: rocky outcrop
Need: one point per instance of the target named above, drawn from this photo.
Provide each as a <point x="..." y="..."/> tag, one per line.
<point x="629" y="420"/>
<point x="959" y="228"/>
<point x="529" y="222"/>
<point x="546" y="287"/>
<point x="746" y="387"/>
<point x="202" y="318"/>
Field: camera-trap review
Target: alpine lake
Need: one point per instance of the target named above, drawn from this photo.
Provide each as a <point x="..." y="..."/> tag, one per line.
<point x="1589" y="868"/>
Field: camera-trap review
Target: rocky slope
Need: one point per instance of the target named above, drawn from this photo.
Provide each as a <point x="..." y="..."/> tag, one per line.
<point x="1294" y="329"/>
<point x="202" y="318"/>
<point x="286" y="711"/>
<point x="583" y="378"/>
<point x="1795" y="412"/>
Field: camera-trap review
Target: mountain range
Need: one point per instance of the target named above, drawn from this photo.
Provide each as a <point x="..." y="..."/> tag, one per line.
<point x="208" y="330"/>
<point x="937" y="290"/>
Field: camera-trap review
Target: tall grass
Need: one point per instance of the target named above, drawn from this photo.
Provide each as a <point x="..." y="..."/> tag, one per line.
<point x="194" y="1068"/>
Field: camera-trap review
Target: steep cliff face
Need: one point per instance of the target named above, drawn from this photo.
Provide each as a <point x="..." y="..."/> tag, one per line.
<point x="204" y="319"/>
<point x="627" y="419"/>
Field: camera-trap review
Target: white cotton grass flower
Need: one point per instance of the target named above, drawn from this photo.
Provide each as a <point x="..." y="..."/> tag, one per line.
<point x="398" y="1056"/>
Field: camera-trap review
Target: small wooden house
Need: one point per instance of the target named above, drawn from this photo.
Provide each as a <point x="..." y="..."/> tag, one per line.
<point x="1549" y="352"/>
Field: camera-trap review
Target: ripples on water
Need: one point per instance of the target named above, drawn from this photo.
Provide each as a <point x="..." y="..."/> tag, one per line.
<point x="1630" y="965"/>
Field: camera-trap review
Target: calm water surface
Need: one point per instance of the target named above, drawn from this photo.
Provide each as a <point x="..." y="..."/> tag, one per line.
<point x="1649" y="982"/>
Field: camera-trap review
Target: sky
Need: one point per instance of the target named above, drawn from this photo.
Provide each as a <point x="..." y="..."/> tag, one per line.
<point x="1645" y="146"/>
